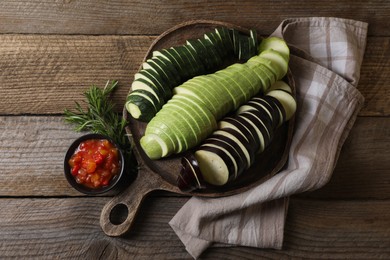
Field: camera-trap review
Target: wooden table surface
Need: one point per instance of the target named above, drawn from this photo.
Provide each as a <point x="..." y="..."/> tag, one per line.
<point x="52" y="51"/>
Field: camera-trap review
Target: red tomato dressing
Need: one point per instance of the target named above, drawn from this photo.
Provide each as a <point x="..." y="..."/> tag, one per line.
<point x="94" y="163"/>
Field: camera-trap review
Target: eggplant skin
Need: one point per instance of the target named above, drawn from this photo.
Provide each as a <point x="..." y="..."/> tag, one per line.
<point x="190" y="177"/>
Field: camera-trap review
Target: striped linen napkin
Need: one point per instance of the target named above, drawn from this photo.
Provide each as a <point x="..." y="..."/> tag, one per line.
<point x="326" y="57"/>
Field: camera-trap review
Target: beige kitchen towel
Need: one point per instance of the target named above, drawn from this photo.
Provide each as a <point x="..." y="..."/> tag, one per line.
<point x="326" y="55"/>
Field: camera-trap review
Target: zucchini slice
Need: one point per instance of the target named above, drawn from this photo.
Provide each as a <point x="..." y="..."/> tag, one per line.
<point x="142" y="105"/>
<point x="168" y="55"/>
<point x="276" y="44"/>
<point x="160" y="93"/>
<point x="224" y="35"/>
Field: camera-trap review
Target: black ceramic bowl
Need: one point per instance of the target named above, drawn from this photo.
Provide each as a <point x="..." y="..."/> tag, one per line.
<point x="116" y="184"/>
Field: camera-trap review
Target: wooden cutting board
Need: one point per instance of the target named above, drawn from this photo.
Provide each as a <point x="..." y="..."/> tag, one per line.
<point x="162" y="174"/>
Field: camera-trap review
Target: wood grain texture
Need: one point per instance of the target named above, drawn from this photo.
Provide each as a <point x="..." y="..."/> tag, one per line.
<point x="327" y="230"/>
<point x="52" y="51"/>
<point x="46" y="74"/>
<point x="375" y="78"/>
<point x="154" y="17"/>
<point x="69" y="229"/>
<point x="363" y="168"/>
<point x="32" y="149"/>
<point x="32" y="152"/>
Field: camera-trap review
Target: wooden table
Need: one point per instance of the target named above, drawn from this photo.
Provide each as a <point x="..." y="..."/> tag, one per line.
<point x="52" y="51"/>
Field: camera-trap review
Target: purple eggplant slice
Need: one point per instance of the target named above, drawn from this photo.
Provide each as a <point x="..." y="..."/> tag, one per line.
<point x="190" y="177"/>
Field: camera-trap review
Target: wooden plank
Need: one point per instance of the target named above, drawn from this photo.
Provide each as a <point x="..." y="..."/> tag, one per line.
<point x="69" y="228"/>
<point x="138" y="17"/>
<point x="46" y="74"/>
<point x="375" y="78"/>
<point x="363" y="167"/>
<point x="32" y="156"/>
<point x="33" y="148"/>
<point x="327" y="230"/>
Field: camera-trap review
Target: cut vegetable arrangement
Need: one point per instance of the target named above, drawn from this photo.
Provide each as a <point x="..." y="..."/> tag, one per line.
<point x="232" y="148"/>
<point x="197" y="104"/>
<point x="185" y="95"/>
<point x="168" y="68"/>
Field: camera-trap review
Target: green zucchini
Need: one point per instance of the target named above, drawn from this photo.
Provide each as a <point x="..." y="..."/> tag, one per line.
<point x="142" y="105"/>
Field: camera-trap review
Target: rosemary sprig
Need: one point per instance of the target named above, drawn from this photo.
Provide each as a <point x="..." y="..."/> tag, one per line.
<point x="100" y="116"/>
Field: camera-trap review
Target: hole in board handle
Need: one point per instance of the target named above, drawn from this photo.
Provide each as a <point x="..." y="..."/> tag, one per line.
<point x="119" y="214"/>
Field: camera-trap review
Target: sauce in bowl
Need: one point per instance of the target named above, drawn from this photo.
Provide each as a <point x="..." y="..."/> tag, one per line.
<point x="95" y="163"/>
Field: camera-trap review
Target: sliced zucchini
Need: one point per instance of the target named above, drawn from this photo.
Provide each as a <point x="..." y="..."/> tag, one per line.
<point x="239" y="96"/>
<point x="218" y="101"/>
<point x="244" y="52"/>
<point x="158" y="92"/>
<point x="192" y="90"/>
<point x="201" y="53"/>
<point x="206" y="113"/>
<point x="168" y="55"/>
<point x="186" y="125"/>
<point x="152" y="77"/>
<point x="190" y="63"/>
<point x="224" y="35"/>
<point x="204" y="128"/>
<point x="141" y="105"/>
<point x="200" y="68"/>
<point x="152" y="65"/>
<point x="281" y="85"/>
<point x="170" y="69"/>
<point x="216" y="41"/>
<point x="215" y="59"/>
<point x="170" y="141"/>
<point x="236" y="41"/>
<point x="278" y="62"/>
<point x="154" y="146"/>
<point x="276" y="44"/>
<point x="254" y="42"/>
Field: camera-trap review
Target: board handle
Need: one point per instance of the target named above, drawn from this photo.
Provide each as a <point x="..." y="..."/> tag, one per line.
<point x="119" y="213"/>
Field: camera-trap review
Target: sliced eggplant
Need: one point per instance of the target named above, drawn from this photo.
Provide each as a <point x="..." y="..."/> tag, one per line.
<point x="287" y="101"/>
<point x="261" y="129"/>
<point x="264" y="120"/>
<point x="275" y="103"/>
<point x="233" y="123"/>
<point x="256" y="133"/>
<point x="216" y="166"/>
<point x="235" y="145"/>
<point x="256" y="105"/>
<point x="240" y="161"/>
<point x="236" y="137"/>
<point x="190" y="177"/>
